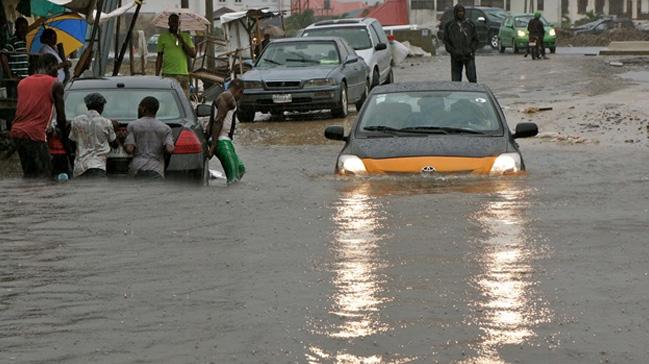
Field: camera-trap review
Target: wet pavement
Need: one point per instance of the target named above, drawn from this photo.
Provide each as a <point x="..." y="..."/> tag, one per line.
<point x="296" y="265"/>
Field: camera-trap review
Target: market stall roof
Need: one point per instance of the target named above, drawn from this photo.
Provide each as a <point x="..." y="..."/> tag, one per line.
<point x="223" y="10"/>
<point x="252" y="13"/>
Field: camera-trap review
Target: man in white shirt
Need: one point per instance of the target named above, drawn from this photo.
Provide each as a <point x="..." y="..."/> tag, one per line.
<point x="94" y="135"/>
<point x="48" y="39"/>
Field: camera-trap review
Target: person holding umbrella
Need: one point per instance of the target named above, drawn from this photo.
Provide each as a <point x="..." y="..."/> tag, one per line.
<point x="174" y="48"/>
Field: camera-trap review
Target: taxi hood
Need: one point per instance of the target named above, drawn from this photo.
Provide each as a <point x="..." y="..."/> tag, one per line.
<point x="444" y="153"/>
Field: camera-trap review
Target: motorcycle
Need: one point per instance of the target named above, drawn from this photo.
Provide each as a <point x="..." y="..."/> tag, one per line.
<point x="534" y="47"/>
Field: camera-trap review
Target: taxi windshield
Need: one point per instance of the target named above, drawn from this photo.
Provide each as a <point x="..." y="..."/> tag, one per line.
<point x="442" y="112"/>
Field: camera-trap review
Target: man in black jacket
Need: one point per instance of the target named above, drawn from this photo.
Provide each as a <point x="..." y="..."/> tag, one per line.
<point x="461" y="41"/>
<point x="536" y="30"/>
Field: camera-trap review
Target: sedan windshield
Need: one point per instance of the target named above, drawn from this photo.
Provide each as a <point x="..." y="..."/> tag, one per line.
<point x="357" y="37"/>
<point x="299" y="54"/>
<point x="430" y="112"/>
<point x="522" y="21"/>
<point x="122" y="104"/>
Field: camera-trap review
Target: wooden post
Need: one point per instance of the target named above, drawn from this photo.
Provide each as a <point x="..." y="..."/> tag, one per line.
<point x="209" y="49"/>
<point x="118" y="60"/>
<point x="131" y="56"/>
<point x="117" y="26"/>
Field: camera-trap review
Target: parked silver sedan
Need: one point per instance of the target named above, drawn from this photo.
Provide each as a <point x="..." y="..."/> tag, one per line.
<point x="305" y="74"/>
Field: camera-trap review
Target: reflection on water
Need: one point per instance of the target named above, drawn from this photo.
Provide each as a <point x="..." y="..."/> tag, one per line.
<point x="509" y="307"/>
<point x="358" y="285"/>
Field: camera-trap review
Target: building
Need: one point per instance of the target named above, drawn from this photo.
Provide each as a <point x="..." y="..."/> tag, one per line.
<point x="199" y="5"/>
<point x="426" y="11"/>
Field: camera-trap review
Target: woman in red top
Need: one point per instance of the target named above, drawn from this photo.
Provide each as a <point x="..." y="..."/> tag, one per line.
<point x="36" y="96"/>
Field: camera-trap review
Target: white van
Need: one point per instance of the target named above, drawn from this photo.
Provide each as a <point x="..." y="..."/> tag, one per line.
<point x="368" y="39"/>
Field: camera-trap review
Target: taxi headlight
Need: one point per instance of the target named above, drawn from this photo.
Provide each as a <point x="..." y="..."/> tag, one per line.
<point x="521" y="34"/>
<point x="552" y="32"/>
<point x="507" y="163"/>
<point x="350" y="164"/>
<point x="319" y="82"/>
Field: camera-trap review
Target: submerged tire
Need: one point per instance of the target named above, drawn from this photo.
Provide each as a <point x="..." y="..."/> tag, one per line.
<point x="342" y="109"/>
<point x="245" y="115"/>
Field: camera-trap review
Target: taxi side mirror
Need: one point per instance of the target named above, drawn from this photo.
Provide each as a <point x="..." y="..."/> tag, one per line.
<point x="335" y="132"/>
<point x="525" y="130"/>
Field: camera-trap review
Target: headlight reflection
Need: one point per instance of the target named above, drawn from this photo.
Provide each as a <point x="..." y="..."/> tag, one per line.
<point x="509" y="306"/>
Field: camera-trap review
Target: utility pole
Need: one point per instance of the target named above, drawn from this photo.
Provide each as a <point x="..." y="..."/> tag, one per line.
<point x="209" y="14"/>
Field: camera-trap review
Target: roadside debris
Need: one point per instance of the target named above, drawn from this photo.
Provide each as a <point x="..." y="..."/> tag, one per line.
<point x="616" y="64"/>
<point x="414" y="51"/>
<point x="562" y="138"/>
<point x="534" y="110"/>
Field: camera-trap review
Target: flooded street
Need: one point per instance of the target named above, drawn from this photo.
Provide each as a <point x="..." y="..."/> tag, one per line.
<point x="296" y="265"/>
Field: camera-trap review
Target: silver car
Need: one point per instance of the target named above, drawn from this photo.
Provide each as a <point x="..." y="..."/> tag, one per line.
<point x="368" y="39"/>
<point x="304" y="74"/>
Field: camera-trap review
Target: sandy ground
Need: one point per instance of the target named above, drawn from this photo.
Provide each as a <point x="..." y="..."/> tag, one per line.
<point x="295" y="265"/>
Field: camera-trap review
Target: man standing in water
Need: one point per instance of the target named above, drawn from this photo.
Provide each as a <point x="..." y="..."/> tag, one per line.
<point x="148" y="139"/>
<point x="461" y="41"/>
<point x="221" y="129"/>
<point x="94" y="135"/>
<point x="38" y="95"/>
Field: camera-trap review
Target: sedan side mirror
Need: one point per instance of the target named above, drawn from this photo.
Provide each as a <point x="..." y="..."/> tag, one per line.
<point x="335" y="132"/>
<point x="351" y="59"/>
<point x="203" y="110"/>
<point x="381" y="46"/>
<point x="526" y="130"/>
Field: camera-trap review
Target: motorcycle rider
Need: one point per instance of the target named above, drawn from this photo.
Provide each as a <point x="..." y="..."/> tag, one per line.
<point x="536" y="30"/>
<point x="461" y="42"/>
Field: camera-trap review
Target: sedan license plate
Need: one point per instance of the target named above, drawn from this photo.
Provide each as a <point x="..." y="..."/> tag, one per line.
<point x="532" y="44"/>
<point x="282" y="99"/>
<point x="118" y="152"/>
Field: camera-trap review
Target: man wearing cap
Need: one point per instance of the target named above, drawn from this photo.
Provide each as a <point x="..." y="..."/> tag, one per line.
<point x="94" y="135"/>
<point x="174" y="48"/>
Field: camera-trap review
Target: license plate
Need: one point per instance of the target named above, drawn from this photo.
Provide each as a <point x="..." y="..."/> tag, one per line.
<point x="282" y="99"/>
<point x="118" y="152"/>
<point x="532" y="44"/>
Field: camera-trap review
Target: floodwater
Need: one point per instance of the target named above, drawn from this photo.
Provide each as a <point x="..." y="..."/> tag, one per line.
<point x="296" y="265"/>
<point x="642" y="76"/>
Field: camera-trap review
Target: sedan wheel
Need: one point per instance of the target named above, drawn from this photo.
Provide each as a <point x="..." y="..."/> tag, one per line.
<point x="376" y="78"/>
<point x="246" y="116"/>
<point x="494" y="41"/>
<point x="341" y="110"/>
<point x="205" y="177"/>
<point x="390" y="79"/>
